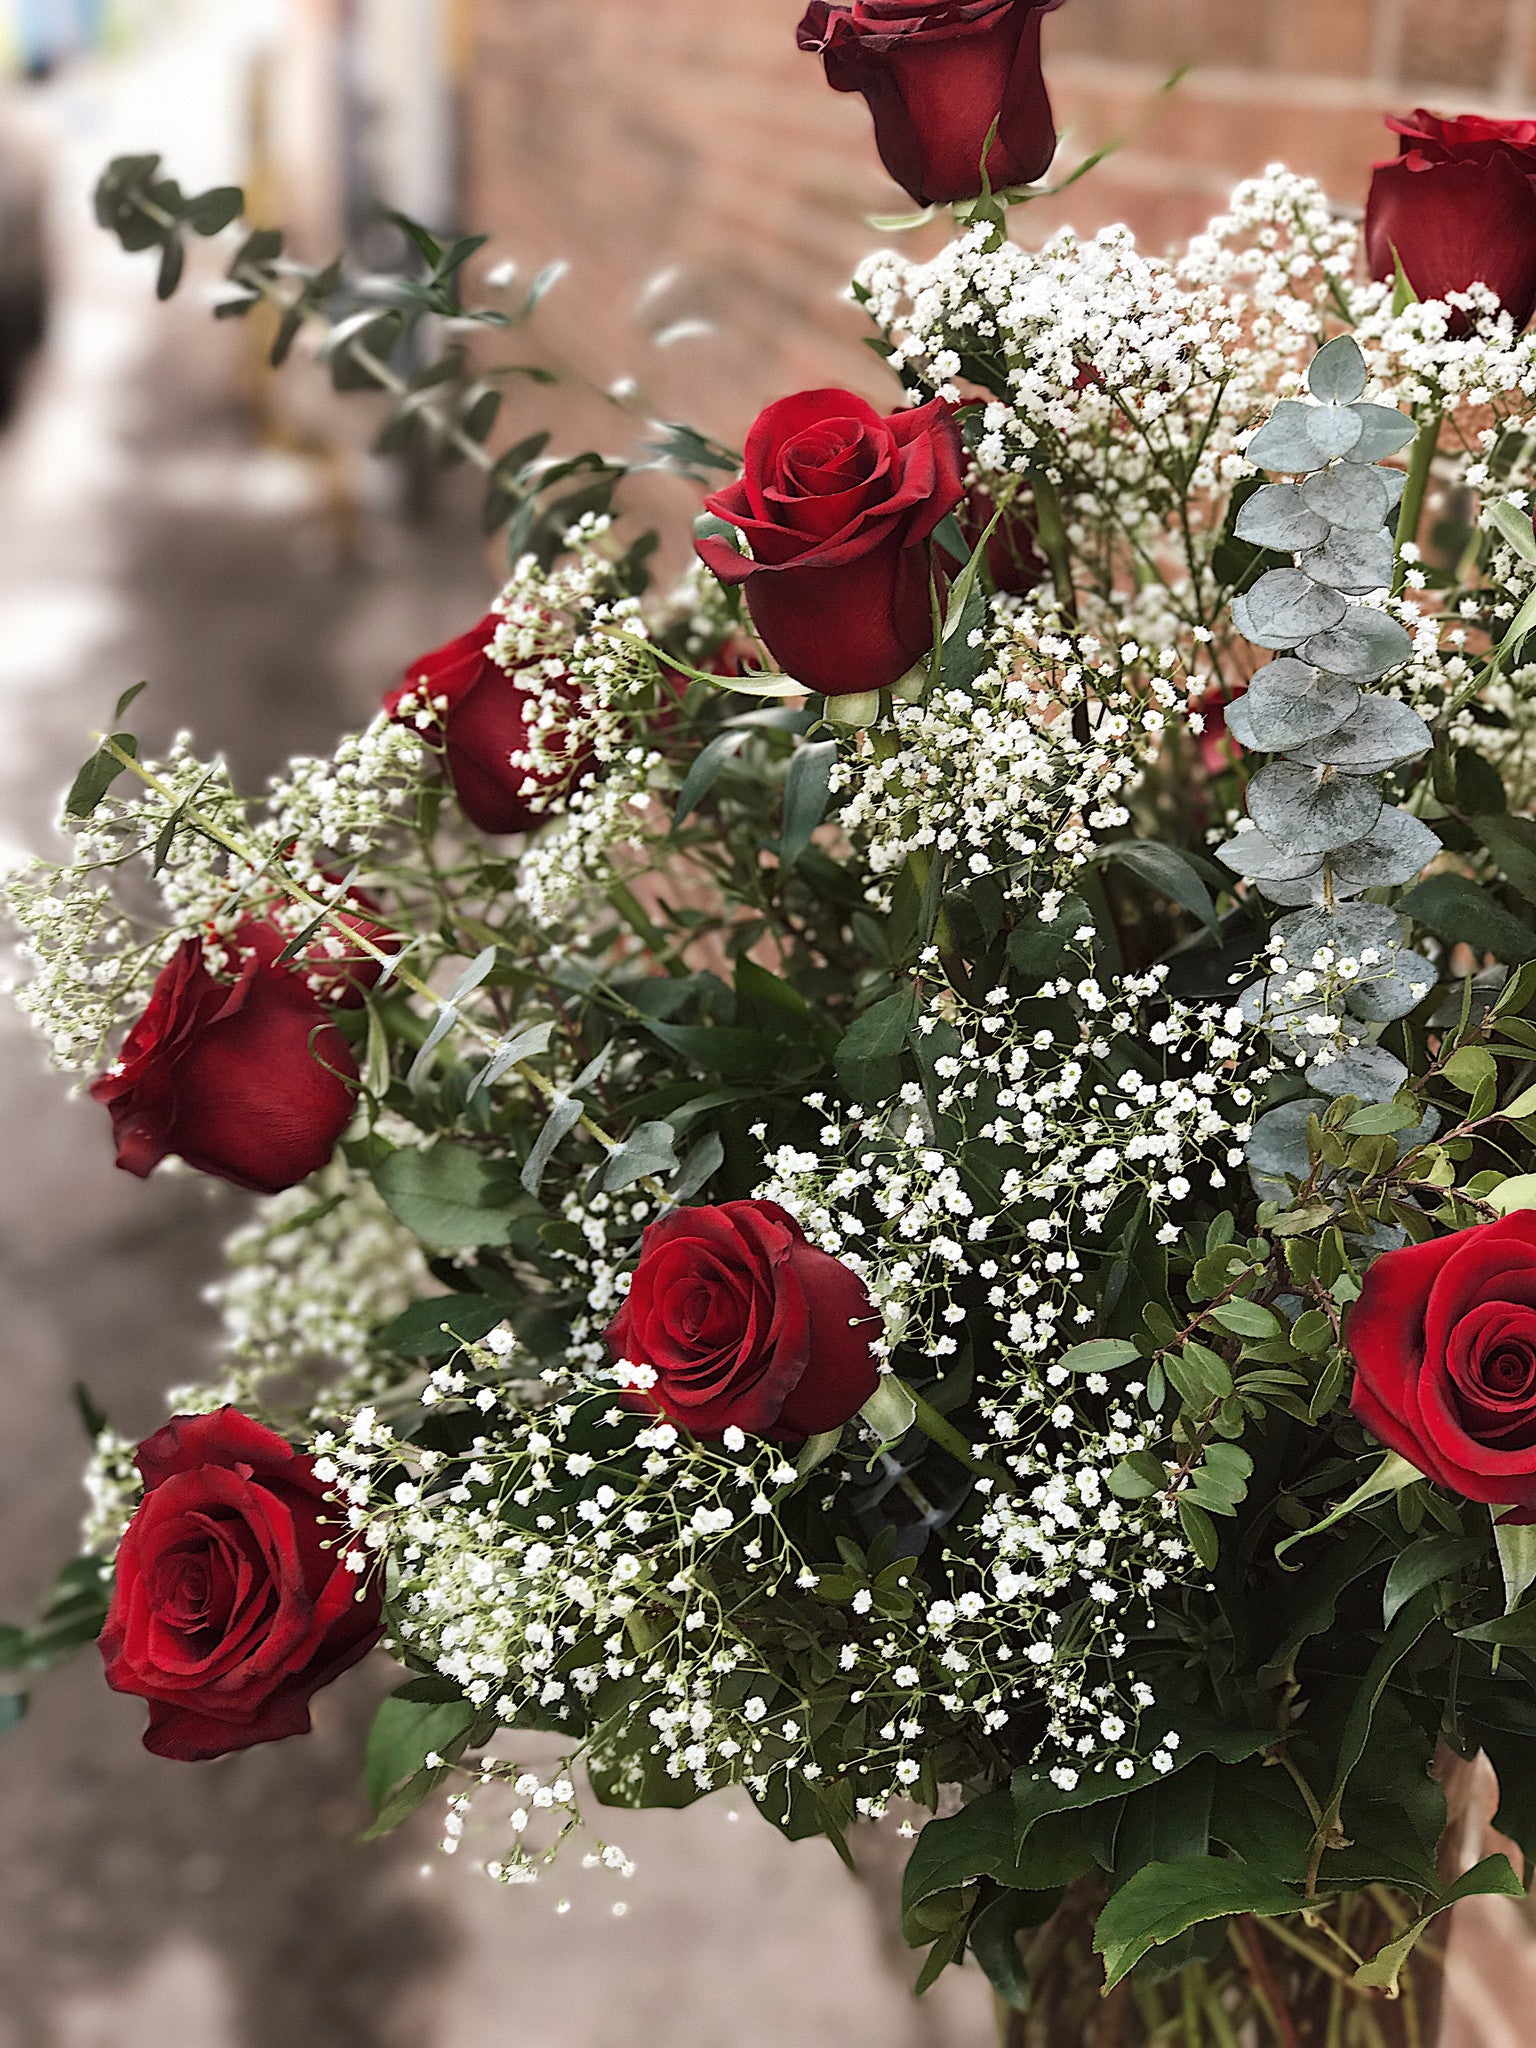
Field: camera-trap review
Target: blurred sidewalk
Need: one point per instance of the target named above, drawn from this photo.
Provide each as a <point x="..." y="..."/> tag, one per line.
<point x="142" y="1904"/>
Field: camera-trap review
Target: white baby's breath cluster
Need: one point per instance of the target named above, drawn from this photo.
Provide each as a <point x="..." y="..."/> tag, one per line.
<point x="113" y="1490"/>
<point x="308" y="1283"/>
<point x="1023" y="775"/>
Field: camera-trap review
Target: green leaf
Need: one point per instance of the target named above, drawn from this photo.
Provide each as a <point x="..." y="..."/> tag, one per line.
<point x="1170" y="872"/>
<point x="1456" y="909"/>
<point x="1200" y="1531"/>
<point x="1425" y="1563"/>
<point x="1100" y="1354"/>
<point x="1246" y="1319"/>
<point x="1163" y="1900"/>
<point x="705" y="773"/>
<point x="97" y="777"/>
<point x="1390" y="1476"/>
<point x="447" y="1195"/>
<point x="1138" y="1476"/>
<point x="993" y="1940"/>
<point x="1511" y="841"/>
<point x="1470" y="1069"/>
<point x="647" y="1152"/>
<point x="1406" y="1629"/>
<point x="211" y="212"/>
<point x="404" y="1734"/>
<point x="1516" y="1193"/>
<point x="881" y="1031"/>
<point x="1513" y="527"/>
<point x="437" y="1328"/>
<point x="890" y="1409"/>
<point x="1494" y="1878"/>
<point x="807" y="793"/>
<point x="558" y="1125"/>
<point x="1517" y="1558"/>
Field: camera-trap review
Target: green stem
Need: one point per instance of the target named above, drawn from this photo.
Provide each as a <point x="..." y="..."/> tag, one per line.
<point x="1419" y="465"/>
<point x="948" y="1438"/>
<point x="1051" y="531"/>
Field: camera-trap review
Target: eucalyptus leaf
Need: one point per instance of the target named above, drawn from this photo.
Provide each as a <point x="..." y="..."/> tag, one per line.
<point x="1408" y="979"/>
<point x="1378" y="734"/>
<point x="1294" y="806"/>
<point x="1278" y="1145"/>
<point x="1353" y="562"/>
<point x="1397" y="847"/>
<point x="1369" y="1071"/>
<point x="1285" y="607"/>
<point x="1288" y="703"/>
<point x="1349" y="495"/>
<point x="1384" y="431"/>
<point x="1283" y="443"/>
<point x="1514" y="528"/>
<point x="558" y="1125"/>
<point x="1348" y="931"/>
<point x="1337" y="374"/>
<point x="648" y="1153"/>
<point x="1277" y="516"/>
<point x="1334" y="430"/>
<point x="1255" y="855"/>
<point x="1367" y="646"/>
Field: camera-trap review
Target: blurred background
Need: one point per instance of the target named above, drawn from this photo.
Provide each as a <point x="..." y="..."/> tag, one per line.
<point x="169" y="510"/>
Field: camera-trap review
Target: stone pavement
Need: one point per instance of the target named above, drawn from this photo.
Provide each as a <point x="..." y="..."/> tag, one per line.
<point x="145" y="1904"/>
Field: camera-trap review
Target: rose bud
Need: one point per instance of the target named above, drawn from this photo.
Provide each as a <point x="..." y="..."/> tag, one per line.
<point x="482" y="716"/>
<point x="1014" y="563"/>
<point x="241" y="1074"/>
<point x="745" y="1325"/>
<point x="1444" y="1343"/>
<point x="233" y="1603"/>
<point x="937" y="74"/>
<point x="1457" y="207"/>
<point x="838" y="505"/>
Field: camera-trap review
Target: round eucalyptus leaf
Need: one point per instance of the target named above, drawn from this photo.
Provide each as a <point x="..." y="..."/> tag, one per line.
<point x="1397" y="847"/>
<point x="1276" y="516"/>
<point x="1346" y="932"/>
<point x="1383" y="431"/>
<point x="1293" y="894"/>
<point x="1366" y="646"/>
<point x="1279" y="1142"/>
<point x="1337" y="375"/>
<point x="1288" y="703"/>
<point x="1349" y="494"/>
<point x="1378" y="734"/>
<point x="1354" y="562"/>
<point x="1256" y="856"/>
<point x="1307" y="813"/>
<point x="1286" y="607"/>
<point x="1368" y="1071"/>
<point x="1334" y="430"/>
<point x="1396" y="481"/>
<point x="1397" y="985"/>
<point x="1283" y="443"/>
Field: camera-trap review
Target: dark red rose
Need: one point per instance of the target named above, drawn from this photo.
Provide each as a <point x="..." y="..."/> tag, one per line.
<point x="1218" y="750"/>
<point x="1458" y="205"/>
<point x="480" y="714"/>
<point x="747" y="1326"/>
<point x="1014" y="562"/>
<point x="242" y="1075"/>
<point x="838" y="505"/>
<point x="1444" y="1342"/>
<point x="937" y="74"/>
<point x="233" y="1603"/>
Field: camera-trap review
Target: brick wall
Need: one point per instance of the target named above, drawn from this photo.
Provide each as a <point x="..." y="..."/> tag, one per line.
<point x="688" y="141"/>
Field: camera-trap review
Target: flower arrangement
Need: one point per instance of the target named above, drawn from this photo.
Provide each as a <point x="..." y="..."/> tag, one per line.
<point x="904" y="1177"/>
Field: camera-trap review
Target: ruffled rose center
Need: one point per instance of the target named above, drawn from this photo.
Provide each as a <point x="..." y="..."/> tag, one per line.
<point x="1492" y="1360"/>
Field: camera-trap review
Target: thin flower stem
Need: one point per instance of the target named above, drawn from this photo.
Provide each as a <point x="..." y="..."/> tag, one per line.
<point x="948" y="1438"/>
<point x="1419" y="465"/>
<point x="1248" y="1942"/>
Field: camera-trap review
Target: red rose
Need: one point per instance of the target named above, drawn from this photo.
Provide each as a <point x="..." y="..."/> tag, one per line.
<point x="1218" y="750"/>
<point x="747" y="1326"/>
<point x="481" y="714"/>
<point x="1444" y="1341"/>
<point x="937" y="74"/>
<point x="245" y="1077"/>
<point x="233" y="1603"/>
<point x="1458" y="205"/>
<point x="837" y="505"/>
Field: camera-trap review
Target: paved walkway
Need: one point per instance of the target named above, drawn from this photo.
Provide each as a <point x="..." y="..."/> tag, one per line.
<point x="144" y="1904"/>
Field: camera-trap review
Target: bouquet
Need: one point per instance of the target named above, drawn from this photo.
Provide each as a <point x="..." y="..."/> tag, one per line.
<point x="903" y="1176"/>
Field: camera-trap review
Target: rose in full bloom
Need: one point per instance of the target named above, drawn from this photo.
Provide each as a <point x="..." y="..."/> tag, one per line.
<point x="838" y="506"/>
<point x="747" y="1326"/>
<point x="241" y="1073"/>
<point x="482" y="716"/>
<point x="1444" y="1342"/>
<point x="937" y="74"/>
<point x="233" y="1601"/>
<point x="1458" y="207"/>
